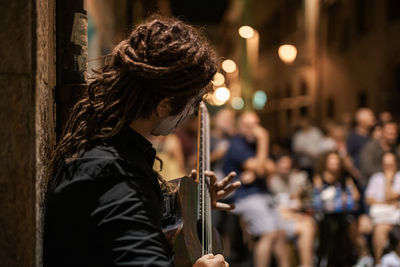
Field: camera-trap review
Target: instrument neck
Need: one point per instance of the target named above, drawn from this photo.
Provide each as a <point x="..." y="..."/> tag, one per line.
<point x="204" y="182"/>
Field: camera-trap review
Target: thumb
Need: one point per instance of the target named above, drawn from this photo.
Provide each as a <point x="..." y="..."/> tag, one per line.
<point x="193" y="174"/>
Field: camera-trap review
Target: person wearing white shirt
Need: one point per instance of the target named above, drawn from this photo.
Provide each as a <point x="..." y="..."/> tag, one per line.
<point x="383" y="194"/>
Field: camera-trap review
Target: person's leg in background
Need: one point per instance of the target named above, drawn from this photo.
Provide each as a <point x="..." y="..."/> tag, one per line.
<point x="262" y="220"/>
<point x="379" y="239"/>
<point x="280" y="249"/>
<point x="359" y="232"/>
<point x="263" y="249"/>
<point x="305" y="230"/>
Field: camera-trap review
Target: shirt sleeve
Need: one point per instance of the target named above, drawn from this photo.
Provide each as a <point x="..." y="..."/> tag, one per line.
<point x="236" y="155"/>
<point x="128" y="229"/>
<point x="396" y="184"/>
<point x="275" y="185"/>
<point x="351" y="145"/>
<point x="368" y="159"/>
<point x="373" y="188"/>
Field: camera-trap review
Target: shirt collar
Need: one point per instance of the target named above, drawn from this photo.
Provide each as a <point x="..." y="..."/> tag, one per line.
<point x="135" y="142"/>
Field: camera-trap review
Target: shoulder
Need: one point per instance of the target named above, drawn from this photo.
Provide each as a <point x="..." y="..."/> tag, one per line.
<point x="316" y="130"/>
<point x="275" y="179"/>
<point x="298" y="134"/>
<point x="376" y="178"/>
<point x="353" y="135"/>
<point x="317" y="181"/>
<point x="298" y="176"/>
<point x="371" y="145"/>
<point x="237" y="142"/>
<point x="98" y="164"/>
<point x="397" y="175"/>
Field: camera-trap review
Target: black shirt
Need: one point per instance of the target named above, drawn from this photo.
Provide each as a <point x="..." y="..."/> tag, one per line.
<point x="106" y="208"/>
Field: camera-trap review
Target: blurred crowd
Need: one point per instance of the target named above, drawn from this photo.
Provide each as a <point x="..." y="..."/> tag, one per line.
<point x="328" y="196"/>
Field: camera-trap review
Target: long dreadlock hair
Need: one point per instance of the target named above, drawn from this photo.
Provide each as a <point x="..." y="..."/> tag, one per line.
<point x="162" y="58"/>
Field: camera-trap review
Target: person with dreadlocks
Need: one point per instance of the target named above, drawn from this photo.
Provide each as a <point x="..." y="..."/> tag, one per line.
<point x="103" y="200"/>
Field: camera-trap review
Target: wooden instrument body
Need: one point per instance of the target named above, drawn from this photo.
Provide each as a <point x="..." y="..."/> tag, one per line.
<point x="184" y="232"/>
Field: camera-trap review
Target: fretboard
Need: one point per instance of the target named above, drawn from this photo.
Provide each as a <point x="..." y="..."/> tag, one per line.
<point x="203" y="164"/>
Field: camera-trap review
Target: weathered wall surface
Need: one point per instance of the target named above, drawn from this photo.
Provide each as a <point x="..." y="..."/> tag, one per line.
<point x="17" y="135"/>
<point x="26" y="119"/>
<point x="45" y="80"/>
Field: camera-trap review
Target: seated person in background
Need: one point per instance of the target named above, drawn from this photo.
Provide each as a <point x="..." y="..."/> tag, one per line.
<point x="336" y="196"/>
<point x="247" y="155"/>
<point x="383" y="194"/>
<point x="306" y="145"/>
<point x="335" y="140"/>
<point x="227" y="224"/>
<point x="291" y="189"/>
<point x="372" y="153"/>
<point x="334" y="190"/>
<point x="392" y="257"/>
<point x="360" y="135"/>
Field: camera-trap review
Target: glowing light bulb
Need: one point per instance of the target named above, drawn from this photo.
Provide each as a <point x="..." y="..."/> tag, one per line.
<point x="222" y="94"/>
<point x="237" y="103"/>
<point x="259" y="100"/>
<point x="287" y="53"/>
<point x="218" y="79"/>
<point x="228" y="66"/>
<point x="216" y="102"/>
<point x="246" y="32"/>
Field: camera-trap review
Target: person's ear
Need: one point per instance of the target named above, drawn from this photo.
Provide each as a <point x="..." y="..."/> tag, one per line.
<point x="163" y="108"/>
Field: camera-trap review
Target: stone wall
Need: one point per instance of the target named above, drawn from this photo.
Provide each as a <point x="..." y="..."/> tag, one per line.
<point x="26" y="134"/>
<point x="45" y="81"/>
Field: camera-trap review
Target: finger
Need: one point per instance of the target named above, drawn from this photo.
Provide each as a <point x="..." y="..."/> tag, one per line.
<point x="193" y="174"/>
<point x="226" y="264"/>
<point x="213" y="178"/>
<point x="229" y="189"/>
<point x="223" y="206"/>
<point x="226" y="180"/>
<point x="208" y="256"/>
<point x="219" y="257"/>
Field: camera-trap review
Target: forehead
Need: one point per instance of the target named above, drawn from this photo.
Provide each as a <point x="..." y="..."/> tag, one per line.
<point x="332" y="156"/>
<point x="390" y="126"/>
<point x="249" y="118"/>
<point x="388" y="157"/>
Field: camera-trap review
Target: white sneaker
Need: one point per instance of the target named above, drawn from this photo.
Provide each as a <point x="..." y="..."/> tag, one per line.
<point x="365" y="261"/>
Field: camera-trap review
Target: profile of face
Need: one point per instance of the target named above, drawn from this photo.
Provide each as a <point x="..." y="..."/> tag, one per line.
<point x="169" y="123"/>
<point x="284" y="165"/>
<point x="248" y="122"/>
<point x="332" y="163"/>
<point x="389" y="162"/>
<point x="389" y="133"/>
